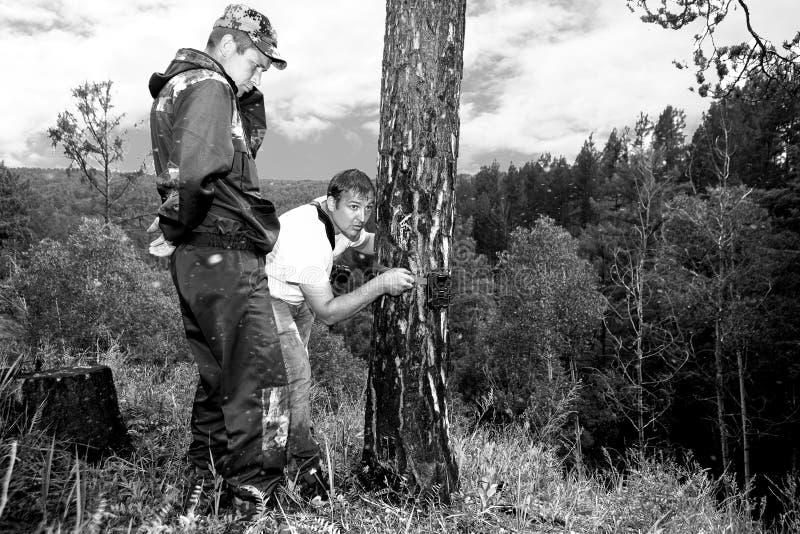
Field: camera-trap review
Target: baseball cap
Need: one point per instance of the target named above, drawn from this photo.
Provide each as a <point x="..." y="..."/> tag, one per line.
<point x="256" y="26"/>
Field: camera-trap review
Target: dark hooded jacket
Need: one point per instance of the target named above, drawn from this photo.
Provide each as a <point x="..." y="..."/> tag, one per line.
<point x="204" y="147"/>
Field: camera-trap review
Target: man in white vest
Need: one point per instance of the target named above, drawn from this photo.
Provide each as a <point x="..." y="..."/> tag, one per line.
<point x="299" y="268"/>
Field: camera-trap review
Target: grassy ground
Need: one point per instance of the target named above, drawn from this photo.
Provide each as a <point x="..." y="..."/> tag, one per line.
<point x="508" y="483"/>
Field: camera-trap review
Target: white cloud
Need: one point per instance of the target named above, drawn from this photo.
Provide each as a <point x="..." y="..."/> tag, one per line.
<point x="372" y="127"/>
<point x="334" y="52"/>
<point x="302" y="127"/>
<point x="353" y="139"/>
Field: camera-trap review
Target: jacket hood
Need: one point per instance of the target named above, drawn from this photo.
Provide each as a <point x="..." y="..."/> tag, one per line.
<point x="186" y="59"/>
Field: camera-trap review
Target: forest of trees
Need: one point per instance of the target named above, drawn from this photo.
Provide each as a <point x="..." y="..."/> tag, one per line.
<point x="683" y="334"/>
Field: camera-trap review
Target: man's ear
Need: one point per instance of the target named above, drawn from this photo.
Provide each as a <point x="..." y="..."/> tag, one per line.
<point x="331" y="203"/>
<point x="227" y="46"/>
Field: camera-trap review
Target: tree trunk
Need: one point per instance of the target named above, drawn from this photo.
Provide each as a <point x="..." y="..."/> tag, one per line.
<point x="406" y="430"/>
<point x="745" y="424"/>
<point x="637" y="280"/>
<point x="107" y="192"/>
<point x="77" y="405"/>
<point x="719" y="386"/>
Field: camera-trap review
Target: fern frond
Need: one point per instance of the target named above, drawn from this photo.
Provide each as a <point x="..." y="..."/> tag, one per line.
<point x="261" y="499"/>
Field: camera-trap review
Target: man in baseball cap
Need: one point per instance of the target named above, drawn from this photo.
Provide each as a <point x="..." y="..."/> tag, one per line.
<point x="256" y="26"/>
<point x="207" y="122"/>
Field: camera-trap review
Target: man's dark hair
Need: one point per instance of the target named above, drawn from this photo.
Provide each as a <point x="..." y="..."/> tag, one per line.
<point x="242" y="40"/>
<point x="350" y="180"/>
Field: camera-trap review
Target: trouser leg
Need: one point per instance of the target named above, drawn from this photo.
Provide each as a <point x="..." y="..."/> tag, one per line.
<point x="294" y="327"/>
<point x="226" y="291"/>
<point x="209" y="438"/>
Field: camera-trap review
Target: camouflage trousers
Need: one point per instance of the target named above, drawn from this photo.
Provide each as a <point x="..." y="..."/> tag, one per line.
<point x="240" y="419"/>
<point x="294" y="328"/>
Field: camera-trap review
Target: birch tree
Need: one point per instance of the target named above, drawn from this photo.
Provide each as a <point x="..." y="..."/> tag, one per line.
<point x="649" y="347"/>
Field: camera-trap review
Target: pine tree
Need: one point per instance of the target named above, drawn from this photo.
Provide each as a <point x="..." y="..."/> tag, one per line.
<point x="406" y="432"/>
<point x="586" y="175"/>
<point x="668" y="143"/>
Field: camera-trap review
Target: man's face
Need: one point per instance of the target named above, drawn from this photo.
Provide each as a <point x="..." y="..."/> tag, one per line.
<point x="246" y="69"/>
<point x="351" y="213"/>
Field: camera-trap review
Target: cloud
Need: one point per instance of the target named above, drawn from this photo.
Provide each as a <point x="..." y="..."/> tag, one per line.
<point x="353" y="139"/>
<point x="299" y="128"/>
<point x="372" y="126"/>
<point x="334" y="59"/>
<point x="40" y="17"/>
<point x="583" y="70"/>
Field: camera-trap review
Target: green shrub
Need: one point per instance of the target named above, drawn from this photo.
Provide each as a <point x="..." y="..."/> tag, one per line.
<point x="537" y="342"/>
<point x="95" y="290"/>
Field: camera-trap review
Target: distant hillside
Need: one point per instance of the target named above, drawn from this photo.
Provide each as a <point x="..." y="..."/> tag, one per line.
<point x="286" y="194"/>
<point x="62" y="200"/>
<point x="39" y="173"/>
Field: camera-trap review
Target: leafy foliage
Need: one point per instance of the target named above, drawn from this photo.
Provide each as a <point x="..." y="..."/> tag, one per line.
<point x="94" y="290"/>
<point x="719" y="241"/>
<point x="548" y="309"/>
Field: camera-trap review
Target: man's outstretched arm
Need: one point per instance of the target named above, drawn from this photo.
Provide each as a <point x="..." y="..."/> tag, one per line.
<point x="330" y="310"/>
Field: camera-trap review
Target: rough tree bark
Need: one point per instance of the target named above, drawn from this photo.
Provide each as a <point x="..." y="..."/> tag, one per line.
<point x="407" y="426"/>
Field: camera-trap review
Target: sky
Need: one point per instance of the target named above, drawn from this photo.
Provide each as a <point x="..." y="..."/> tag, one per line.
<point x="539" y="75"/>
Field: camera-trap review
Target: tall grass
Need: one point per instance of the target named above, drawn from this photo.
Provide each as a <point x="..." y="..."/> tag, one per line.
<point x="509" y="483"/>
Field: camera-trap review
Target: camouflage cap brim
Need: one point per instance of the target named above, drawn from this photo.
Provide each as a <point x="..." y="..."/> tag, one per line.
<point x="277" y="61"/>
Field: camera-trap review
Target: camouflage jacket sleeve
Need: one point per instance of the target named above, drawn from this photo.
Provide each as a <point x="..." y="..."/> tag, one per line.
<point x="254" y="119"/>
<point x="201" y="150"/>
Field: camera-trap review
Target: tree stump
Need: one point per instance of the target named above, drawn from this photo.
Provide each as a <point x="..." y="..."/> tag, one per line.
<point x="77" y="405"/>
